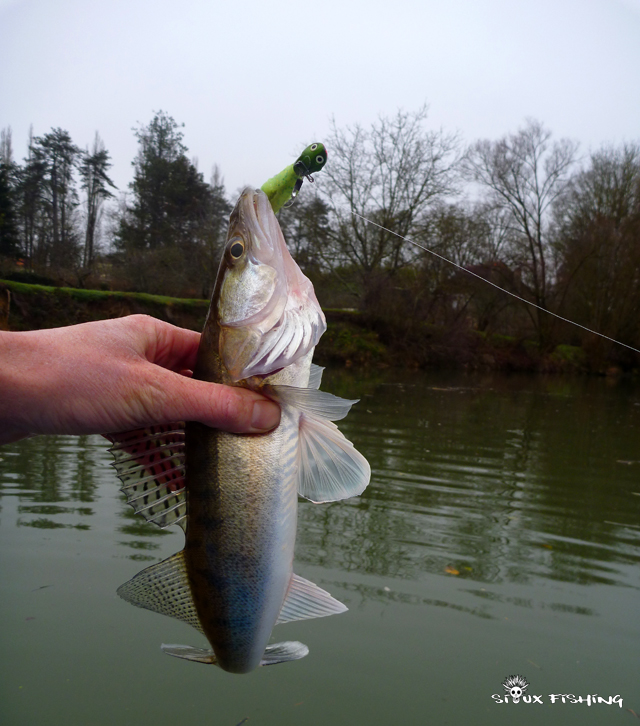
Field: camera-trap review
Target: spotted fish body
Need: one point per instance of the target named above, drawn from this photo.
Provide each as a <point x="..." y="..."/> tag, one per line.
<point x="234" y="579"/>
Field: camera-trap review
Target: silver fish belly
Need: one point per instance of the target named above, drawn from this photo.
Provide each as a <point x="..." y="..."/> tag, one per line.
<point x="241" y="534"/>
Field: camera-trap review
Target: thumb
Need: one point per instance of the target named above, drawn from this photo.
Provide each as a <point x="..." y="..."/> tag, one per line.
<point x="230" y="408"/>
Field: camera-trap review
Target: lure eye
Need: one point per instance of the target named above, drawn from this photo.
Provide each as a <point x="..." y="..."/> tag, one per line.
<point x="314" y="147"/>
<point x="319" y="159"/>
<point x="236" y="250"/>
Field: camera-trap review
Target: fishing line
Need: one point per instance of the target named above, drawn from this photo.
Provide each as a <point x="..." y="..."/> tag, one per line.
<point x="493" y="284"/>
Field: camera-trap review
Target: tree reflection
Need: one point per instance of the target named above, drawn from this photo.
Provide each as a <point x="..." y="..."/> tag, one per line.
<point x="48" y="474"/>
<point x="499" y="480"/>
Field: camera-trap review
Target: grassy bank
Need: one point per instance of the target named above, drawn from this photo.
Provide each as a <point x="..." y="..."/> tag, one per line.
<point x="32" y="307"/>
<point x="351" y="339"/>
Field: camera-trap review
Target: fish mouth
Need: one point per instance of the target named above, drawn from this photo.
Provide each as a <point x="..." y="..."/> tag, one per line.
<point x="258" y="224"/>
<point x="255" y="291"/>
<point x="268" y="312"/>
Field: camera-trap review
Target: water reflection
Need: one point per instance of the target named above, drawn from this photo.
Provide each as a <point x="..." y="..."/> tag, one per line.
<point x="144" y="536"/>
<point x="488" y="479"/>
<point x="499" y="481"/>
<point x="51" y="469"/>
<point x="51" y="475"/>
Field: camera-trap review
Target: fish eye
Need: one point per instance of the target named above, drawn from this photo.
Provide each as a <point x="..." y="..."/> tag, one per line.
<point x="314" y="147"/>
<point x="319" y="159"/>
<point x="236" y="250"/>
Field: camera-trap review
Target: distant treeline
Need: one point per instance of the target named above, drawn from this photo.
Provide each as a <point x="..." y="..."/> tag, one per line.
<point x="523" y="212"/>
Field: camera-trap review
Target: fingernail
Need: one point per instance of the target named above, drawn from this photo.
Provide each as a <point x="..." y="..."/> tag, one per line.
<point x="265" y="416"/>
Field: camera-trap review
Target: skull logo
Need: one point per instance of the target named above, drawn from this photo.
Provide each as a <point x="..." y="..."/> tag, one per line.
<point x="515" y="686"/>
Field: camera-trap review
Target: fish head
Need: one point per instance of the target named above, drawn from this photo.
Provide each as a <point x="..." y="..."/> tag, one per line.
<point x="267" y="310"/>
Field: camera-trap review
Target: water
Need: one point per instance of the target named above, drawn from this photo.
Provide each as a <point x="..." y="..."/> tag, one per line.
<point x="500" y="535"/>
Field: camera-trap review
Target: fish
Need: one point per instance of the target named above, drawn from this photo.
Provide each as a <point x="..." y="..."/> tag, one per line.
<point x="236" y="495"/>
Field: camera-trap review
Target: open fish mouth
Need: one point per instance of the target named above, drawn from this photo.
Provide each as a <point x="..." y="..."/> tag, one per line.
<point x="268" y="312"/>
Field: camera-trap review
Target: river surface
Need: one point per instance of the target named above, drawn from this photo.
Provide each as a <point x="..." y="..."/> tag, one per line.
<point x="500" y="535"/>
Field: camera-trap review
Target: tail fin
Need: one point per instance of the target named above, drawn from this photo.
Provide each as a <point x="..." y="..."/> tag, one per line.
<point x="199" y="655"/>
<point x="282" y="652"/>
<point x="276" y="653"/>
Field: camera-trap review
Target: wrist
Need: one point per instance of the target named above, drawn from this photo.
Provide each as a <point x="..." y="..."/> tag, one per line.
<point x="15" y="369"/>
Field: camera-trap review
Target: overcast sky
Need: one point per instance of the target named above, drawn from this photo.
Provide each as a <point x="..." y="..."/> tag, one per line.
<point x="255" y="81"/>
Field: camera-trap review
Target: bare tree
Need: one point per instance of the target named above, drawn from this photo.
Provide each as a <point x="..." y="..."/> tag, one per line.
<point x="598" y="231"/>
<point x="391" y="174"/>
<point x="524" y="174"/>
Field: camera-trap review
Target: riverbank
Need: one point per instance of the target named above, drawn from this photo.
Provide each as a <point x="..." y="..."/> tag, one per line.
<point x="351" y="338"/>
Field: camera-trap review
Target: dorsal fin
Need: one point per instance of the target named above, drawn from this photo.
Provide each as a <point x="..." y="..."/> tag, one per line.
<point x="150" y="464"/>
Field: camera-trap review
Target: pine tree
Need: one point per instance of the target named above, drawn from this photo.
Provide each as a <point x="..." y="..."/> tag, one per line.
<point x="166" y="231"/>
<point x="53" y="160"/>
<point x="93" y="172"/>
<point x="9" y="242"/>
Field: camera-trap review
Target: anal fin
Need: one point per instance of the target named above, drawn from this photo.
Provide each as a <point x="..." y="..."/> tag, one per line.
<point x="163" y="588"/>
<point x="305" y="600"/>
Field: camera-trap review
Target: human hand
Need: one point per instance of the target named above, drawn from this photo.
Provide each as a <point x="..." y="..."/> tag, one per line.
<point x="115" y="375"/>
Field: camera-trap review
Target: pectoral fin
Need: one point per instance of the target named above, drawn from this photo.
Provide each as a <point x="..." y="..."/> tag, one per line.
<point x="310" y="400"/>
<point x="329" y="466"/>
<point x="306" y="600"/>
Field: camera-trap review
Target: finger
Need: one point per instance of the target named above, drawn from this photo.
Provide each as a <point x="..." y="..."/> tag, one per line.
<point x="225" y="407"/>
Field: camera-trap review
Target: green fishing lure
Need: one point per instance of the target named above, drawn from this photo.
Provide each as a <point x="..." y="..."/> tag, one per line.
<point x="286" y="185"/>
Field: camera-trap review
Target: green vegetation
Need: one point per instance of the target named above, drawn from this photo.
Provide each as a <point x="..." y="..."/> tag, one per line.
<point x="570" y="357"/>
<point x="350" y="344"/>
<point x="42" y="306"/>
<point x="96" y="295"/>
